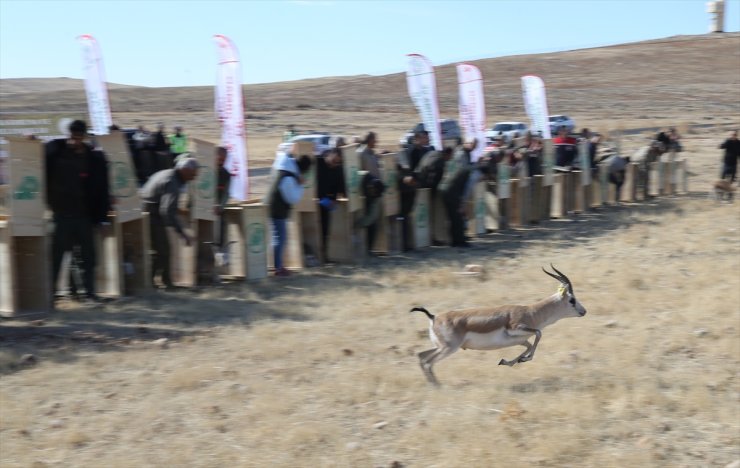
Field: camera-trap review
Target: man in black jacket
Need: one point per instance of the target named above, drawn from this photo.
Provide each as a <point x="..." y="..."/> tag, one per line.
<point x="452" y="190"/>
<point x="78" y="194"/>
<point x="732" y="154"/>
<point x="330" y="184"/>
<point x="222" y="194"/>
<point x="407" y="180"/>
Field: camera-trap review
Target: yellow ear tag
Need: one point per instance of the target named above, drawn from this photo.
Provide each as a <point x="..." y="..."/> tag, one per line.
<point x="561" y="290"/>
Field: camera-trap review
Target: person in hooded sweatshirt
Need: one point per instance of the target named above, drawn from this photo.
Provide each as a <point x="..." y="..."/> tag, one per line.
<point x="285" y="191"/>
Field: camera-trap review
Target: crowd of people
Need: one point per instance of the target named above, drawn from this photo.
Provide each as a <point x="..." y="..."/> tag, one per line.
<point x="155" y="151"/>
<point x="79" y="197"/>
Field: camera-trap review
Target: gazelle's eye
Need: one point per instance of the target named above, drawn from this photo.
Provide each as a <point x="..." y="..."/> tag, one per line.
<point x="572" y="301"/>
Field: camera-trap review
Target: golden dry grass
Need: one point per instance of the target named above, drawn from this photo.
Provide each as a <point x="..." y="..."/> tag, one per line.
<point x="321" y="369"/>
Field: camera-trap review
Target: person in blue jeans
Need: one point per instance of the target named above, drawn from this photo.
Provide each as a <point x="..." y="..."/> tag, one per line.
<point x="285" y="191"/>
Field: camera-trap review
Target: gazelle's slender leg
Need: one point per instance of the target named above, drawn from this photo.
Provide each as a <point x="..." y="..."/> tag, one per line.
<point x="430" y="359"/>
<point x="504" y="362"/>
<point x="529" y="354"/>
<point x="423" y="355"/>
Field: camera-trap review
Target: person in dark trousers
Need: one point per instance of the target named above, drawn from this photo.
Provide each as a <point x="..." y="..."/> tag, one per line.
<point x="566" y="151"/>
<point x="408" y="181"/>
<point x="79" y="197"/>
<point x="285" y="191"/>
<point x="370" y="162"/>
<point x="732" y="154"/>
<point x="222" y="194"/>
<point x="452" y="190"/>
<point x="430" y="171"/>
<point x="617" y="167"/>
<point x="330" y="185"/>
<point x="161" y="149"/>
<point x="160" y="195"/>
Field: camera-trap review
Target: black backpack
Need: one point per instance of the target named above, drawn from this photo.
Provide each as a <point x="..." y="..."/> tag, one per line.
<point x="372" y="187"/>
<point x="431" y="171"/>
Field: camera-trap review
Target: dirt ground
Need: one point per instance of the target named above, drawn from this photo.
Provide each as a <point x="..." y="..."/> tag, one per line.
<point x="320" y="369"/>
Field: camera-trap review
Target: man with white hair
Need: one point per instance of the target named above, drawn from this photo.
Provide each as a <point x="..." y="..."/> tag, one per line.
<point x="160" y="196"/>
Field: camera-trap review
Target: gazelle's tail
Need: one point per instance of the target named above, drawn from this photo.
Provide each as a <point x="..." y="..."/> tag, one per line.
<point x="421" y="309"/>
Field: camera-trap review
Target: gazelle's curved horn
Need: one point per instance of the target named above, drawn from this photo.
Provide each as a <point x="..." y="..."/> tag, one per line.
<point x="560" y="273"/>
<point x="563" y="277"/>
<point x="559" y="278"/>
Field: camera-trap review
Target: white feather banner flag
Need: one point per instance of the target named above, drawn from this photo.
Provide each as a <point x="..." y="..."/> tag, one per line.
<point x="95" y="86"/>
<point x="472" y="106"/>
<point x="230" y="114"/>
<point x="422" y="88"/>
<point x="535" y="104"/>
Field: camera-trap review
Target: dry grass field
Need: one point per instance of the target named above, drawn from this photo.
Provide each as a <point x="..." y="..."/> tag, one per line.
<point x="320" y="369"/>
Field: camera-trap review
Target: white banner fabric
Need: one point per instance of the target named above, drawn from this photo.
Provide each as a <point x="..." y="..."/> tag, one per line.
<point x="472" y="106"/>
<point x="230" y="114"/>
<point x="422" y="88"/>
<point x="535" y="104"/>
<point x="95" y="87"/>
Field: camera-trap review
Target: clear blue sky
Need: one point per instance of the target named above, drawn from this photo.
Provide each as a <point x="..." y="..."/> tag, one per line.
<point x="168" y="43"/>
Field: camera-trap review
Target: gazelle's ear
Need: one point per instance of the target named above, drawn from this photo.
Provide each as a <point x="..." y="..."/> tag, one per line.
<point x="562" y="290"/>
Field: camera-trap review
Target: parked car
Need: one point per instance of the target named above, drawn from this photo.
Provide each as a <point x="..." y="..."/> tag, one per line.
<point x="557" y="121"/>
<point x="506" y="131"/>
<point x="321" y="142"/>
<point x="449" y="127"/>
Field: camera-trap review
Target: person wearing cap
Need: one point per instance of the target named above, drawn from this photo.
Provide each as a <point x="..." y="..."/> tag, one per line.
<point x="408" y="162"/>
<point x="160" y="195"/>
<point x="452" y="190"/>
<point x="78" y="195"/>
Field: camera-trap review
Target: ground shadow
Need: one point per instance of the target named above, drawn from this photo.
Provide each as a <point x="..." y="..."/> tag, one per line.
<point x="162" y="317"/>
<point x="156" y="318"/>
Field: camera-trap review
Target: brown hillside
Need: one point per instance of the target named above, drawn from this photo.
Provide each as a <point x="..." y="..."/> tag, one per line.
<point x="675" y="74"/>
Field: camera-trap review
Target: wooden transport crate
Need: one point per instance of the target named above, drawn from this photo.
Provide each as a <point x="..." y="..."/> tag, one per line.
<point x="420" y="219"/>
<point x="25" y="267"/>
<point x="346" y="244"/>
<point x="25" y="279"/>
<point x="257" y="235"/>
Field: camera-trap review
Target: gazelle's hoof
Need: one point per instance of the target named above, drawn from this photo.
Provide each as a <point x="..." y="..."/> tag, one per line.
<point x="502" y="363"/>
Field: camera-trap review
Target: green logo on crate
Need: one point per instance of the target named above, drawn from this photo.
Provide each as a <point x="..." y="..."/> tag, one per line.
<point x="205" y="182"/>
<point x="123" y="180"/>
<point x="28" y="189"/>
<point x="354" y="179"/>
<point x="309" y="178"/>
<point x="480" y="208"/>
<point x="391" y="182"/>
<point x="422" y="216"/>
<point x="256" y="238"/>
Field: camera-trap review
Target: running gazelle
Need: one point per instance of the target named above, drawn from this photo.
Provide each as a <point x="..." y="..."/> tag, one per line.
<point x="498" y="327"/>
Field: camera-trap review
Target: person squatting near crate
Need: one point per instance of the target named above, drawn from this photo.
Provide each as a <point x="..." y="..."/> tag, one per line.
<point x="160" y="195"/>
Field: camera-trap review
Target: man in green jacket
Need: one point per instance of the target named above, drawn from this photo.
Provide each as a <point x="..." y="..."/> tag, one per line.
<point x="178" y="143"/>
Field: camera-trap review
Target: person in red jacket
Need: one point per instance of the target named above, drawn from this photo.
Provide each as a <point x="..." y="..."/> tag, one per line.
<point x="565" y="148"/>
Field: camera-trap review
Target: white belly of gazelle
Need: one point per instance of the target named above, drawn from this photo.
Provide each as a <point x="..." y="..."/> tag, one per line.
<point x="492" y="340"/>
